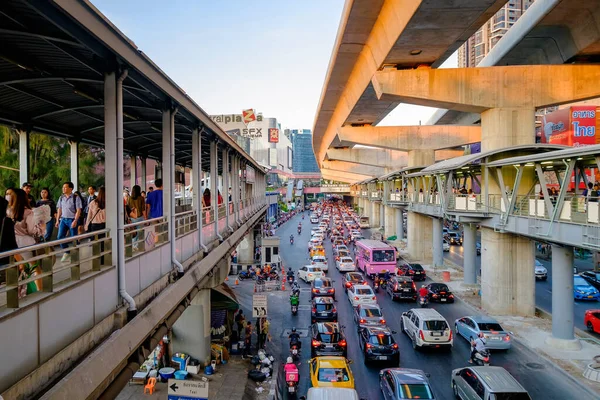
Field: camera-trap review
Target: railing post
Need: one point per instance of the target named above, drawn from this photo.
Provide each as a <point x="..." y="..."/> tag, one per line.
<point x="12" y="281"/>
<point x="75" y="269"/>
<point x="47" y="264"/>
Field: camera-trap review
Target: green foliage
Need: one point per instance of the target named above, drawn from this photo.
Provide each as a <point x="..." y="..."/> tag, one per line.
<point x="283" y="207"/>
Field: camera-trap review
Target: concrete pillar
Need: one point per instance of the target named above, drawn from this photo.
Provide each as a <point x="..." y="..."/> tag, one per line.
<point x="111" y="170"/>
<point x="390" y="221"/>
<point x="75" y="165"/>
<point x="245" y="250"/>
<point x="563" y="304"/>
<point x="375" y="220"/>
<point x="420" y="158"/>
<point x="507" y="274"/>
<point x="420" y="238"/>
<point x="226" y="183"/>
<point x="437" y="239"/>
<point x="23" y="157"/>
<point x="191" y="332"/>
<point x="143" y="174"/>
<point x="381" y="215"/>
<point x="470" y="253"/>
<point x="214" y="181"/>
<point x="133" y="170"/>
<point x="197" y="181"/>
<point x="399" y="224"/>
<point x="506" y="127"/>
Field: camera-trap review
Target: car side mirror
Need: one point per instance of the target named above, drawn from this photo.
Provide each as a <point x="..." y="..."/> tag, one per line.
<point x="394" y="332"/>
<point x="404" y="314"/>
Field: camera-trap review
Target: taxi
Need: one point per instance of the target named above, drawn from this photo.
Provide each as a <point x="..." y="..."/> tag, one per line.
<point x="317" y="251"/>
<point x="332" y="371"/>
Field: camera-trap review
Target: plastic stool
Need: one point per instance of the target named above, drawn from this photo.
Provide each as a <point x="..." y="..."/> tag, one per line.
<point x="150" y="386"/>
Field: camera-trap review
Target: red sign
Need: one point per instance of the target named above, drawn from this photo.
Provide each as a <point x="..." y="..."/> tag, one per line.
<point x="574" y="126"/>
<point x="273" y="135"/>
<point x="248" y="116"/>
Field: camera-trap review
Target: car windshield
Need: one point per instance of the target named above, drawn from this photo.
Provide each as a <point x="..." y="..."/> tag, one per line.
<point x="321" y="283"/>
<point x="489" y="326"/>
<point x="333" y="375"/>
<point x="579" y="281"/>
<point x="417" y="267"/>
<point x="381" y="340"/>
<point x="370" y="312"/>
<point x="319" y="259"/>
<point x="314" y="269"/>
<point x="346" y="260"/>
<point x="436" y="325"/>
<point x="364" y="291"/>
<point x="323" y="307"/>
<point x="510" y="396"/>
<point x="356" y="277"/>
<point x="415" y="391"/>
<point x="329" y="337"/>
<point x="440" y="287"/>
<point x="383" y="255"/>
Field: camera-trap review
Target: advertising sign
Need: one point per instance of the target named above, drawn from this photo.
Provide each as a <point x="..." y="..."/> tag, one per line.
<point x="574" y="126"/>
<point x="248" y="116"/>
<point x="273" y="135"/>
<point x="187" y="390"/>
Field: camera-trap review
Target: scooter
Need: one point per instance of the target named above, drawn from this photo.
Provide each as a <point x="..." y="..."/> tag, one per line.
<point x="291" y="240"/>
<point x="423" y="301"/>
<point x="299" y="231"/>
<point x="247" y="275"/>
<point x="482" y="358"/>
<point x="376" y="286"/>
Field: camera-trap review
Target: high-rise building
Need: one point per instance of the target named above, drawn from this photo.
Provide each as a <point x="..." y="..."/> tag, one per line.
<point x="479" y="45"/>
<point x="303" y="158"/>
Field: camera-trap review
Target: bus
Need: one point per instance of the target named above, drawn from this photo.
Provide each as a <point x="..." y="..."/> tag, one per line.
<point x="364" y="222"/>
<point x="374" y="257"/>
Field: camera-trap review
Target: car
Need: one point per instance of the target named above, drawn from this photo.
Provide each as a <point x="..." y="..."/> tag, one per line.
<point x="345" y="264"/>
<point x="415" y="271"/>
<point x="338" y="242"/>
<point x="353" y="278"/>
<point x="445" y="245"/>
<point x="323" y="309"/>
<point x="495" y="336"/>
<point x="314" y="231"/>
<point x="361" y="294"/>
<point x="309" y="273"/>
<point x="330" y="371"/>
<point x="455" y="238"/>
<point x="426" y="328"/>
<point x="404" y="383"/>
<point x="368" y="315"/>
<point x="401" y="288"/>
<point x="592" y="277"/>
<point x="541" y="272"/>
<point x="327" y="339"/>
<point x="314" y="242"/>
<point x="592" y="320"/>
<point x="378" y="344"/>
<point x="314" y="220"/>
<point x="439" y="292"/>
<point x="317" y="251"/>
<point x="486" y="383"/>
<point x="337" y="249"/>
<point x="321" y="262"/>
<point x="342" y="253"/>
<point x="582" y="290"/>
<point x="322" y="287"/>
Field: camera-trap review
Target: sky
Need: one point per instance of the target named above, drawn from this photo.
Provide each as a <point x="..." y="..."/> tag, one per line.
<point x="269" y="55"/>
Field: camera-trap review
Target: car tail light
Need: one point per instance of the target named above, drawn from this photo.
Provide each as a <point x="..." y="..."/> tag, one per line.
<point x="395" y="346"/>
<point x="334" y="310"/>
<point x="421" y="335"/>
<point x="315" y="343"/>
<point x="434" y="295"/>
<point x="450" y="336"/>
<point x="369" y="346"/>
<point x="310" y="274"/>
<point x="382" y="321"/>
<point x="348" y="284"/>
<point x="414" y="286"/>
<point x="451" y="296"/>
<point x="362" y="321"/>
<point x="442" y="292"/>
<point x="315" y="290"/>
<point x="342" y="343"/>
<point x="374" y="298"/>
<point x="355" y="297"/>
<point x="411" y="272"/>
<point x="314" y="310"/>
<point x="330" y="291"/>
<point x="507" y="338"/>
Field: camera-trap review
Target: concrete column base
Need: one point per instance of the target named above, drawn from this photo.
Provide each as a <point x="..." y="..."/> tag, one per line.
<point x="563" y="344"/>
<point x="245" y="250"/>
<point x="420" y="237"/>
<point x="390" y="221"/>
<point x="191" y="332"/>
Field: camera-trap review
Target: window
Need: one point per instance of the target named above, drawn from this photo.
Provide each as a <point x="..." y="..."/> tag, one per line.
<point x="415" y="391"/>
<point x="436" y="325"/>
<point x="330" y="337"/>
<point x="268" y="254"/>
<point x="490" y="326"/>
<point x="382" y="340"/>
<point x="383" y="256"/>
<point x="469" y="378"/>
<point x="275" y="250"/>
<point x="333" y="375"/>
<point x="510" y="396"/>
<point x="390" y="381"/>
<point x="323" y="307"/>
<point x="363" y="291"/>
<point x="371" y="312"/>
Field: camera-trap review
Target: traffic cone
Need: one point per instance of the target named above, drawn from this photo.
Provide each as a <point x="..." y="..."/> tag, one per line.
<point x="255" y="288"/>
<point x="237" y="282"/>
<point x="282" y="285"/>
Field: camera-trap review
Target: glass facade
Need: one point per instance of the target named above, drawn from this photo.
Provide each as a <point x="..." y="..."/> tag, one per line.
<point x="303" y="159"/>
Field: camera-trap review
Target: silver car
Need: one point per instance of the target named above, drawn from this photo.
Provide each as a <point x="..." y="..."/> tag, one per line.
<point x="478" y="383"/>
<point x="496" y="337"/>
<point x="368" y="314"/>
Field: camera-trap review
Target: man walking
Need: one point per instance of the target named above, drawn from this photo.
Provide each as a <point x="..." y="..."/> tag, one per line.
<point x="27" y="189"/>
<point x="154" y="201"/>
<point x="68" y="211"/>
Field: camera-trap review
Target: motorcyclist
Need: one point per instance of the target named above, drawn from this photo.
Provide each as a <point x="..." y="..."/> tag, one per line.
<point x="423" y="292"/>
<point x="290" y="274"/>
<point x="295" y="287"/>
<point x="387" y="276"/>
<point x="477" y="346"/>
<point x="294" y="338"/>
<point x="291" y="238"/>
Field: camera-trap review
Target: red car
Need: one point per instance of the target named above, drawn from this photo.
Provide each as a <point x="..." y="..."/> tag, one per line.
<point x="592" y="320"/>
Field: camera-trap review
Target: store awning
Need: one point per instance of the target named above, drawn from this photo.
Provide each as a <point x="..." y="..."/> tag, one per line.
<point x="223" y="298"/>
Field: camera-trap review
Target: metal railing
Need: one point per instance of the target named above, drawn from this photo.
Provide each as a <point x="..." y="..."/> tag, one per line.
<point x="399" y="197"/>
<point x="185" y="223"/>
<point x="37" y="269"/>
<point x="143" y="236"/>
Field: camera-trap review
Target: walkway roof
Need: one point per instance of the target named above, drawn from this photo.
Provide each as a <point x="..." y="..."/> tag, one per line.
<point x="557" y="155"/>
<point x="403" y="171"/>
<point x="53" y="59"/>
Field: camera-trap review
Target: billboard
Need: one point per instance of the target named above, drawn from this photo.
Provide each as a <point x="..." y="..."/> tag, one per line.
<point x="248" y="116"/>
<point x="574" y="126"/>
<point x="273" y="135"/>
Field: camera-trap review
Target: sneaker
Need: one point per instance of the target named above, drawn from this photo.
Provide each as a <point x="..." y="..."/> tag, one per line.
<point x="65" y="258"/>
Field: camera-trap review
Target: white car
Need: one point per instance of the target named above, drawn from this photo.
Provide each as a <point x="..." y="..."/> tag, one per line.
<point x="314" y="231"/>
<point x="339" y="247"/>
<point x="540" y="271"/>
<point x="314" y="242"/>
<point x="345" y="264"/>
<point x="321" y="262"/>
<point x="445" y="246"/>
<point x="361" y="294"/>
<point x="314" y="220"/>
<point x="319" y="235"/>
<point x="426" y="328"/>
<point x="309" y="273"/>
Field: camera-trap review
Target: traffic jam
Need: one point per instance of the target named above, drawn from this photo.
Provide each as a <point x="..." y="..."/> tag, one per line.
<point x="369" y="271"/>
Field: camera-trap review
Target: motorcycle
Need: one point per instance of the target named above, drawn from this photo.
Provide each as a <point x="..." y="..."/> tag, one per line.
<point x="299" y="231"/>
<point x="482" y="358"/>
<point x="382" y="283"/>
<point x="247" y="275"/>
<point x="423" y="301"/>
<point x="290" y="279"/>
<point x="291" y="240"/>
<point x="376" y="287"/>
<point x="294" y="300"/>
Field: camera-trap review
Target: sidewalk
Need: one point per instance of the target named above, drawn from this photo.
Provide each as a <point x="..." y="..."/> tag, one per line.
<point x="530" y="331"/>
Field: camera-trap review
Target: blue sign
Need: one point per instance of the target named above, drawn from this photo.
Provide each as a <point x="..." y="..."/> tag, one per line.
<point x="176" y="397"/>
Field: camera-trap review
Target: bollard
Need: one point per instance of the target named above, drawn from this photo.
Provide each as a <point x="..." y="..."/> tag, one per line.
<point x="446" y="276"/>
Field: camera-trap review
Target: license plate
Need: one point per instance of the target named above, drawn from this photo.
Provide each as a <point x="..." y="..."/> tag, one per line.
<point x="442" y="299"/>
<point x="291" y="389"/>
<point x="436" y="333"/>
<point x="495" y="338"/>
<point x="294" y="352"/>
<point x="324" y="313"/>
<point x="590" y="297"/>
<point x="417" y="273"/>
<point x="382" y="357"/>
<point x="329" y="346"/>
<point x="406" y="290"/>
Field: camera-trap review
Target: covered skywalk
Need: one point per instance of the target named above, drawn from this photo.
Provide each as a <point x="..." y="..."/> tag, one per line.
<point x="66" y="71"/>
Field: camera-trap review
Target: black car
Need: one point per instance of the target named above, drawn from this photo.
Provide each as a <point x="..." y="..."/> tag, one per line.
<point x="415" y="271"/>
<point x="327" y="339"/>
<point x="322" y="287"/>
<point x="592" y="277"/>
<point x="402" y="288"/>
<point x="439" y="292"/>
<point x="404" y="383"/>
<point x="378" y="344"/>
<point x="323" y="309"/>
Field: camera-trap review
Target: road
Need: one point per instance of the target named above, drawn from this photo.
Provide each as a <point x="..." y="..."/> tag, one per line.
<point x="543" y="289"/>
<point x="541" y="378"/>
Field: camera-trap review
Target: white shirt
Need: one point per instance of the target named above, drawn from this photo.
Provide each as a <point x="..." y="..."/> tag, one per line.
<point x="480" y="344"/>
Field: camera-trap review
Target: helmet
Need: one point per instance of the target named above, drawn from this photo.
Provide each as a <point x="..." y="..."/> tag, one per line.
<point x="293" y="329"/>
<point x="480" y="334"/>
<point x="289" y="360"/>
<point x="423" y="286"/>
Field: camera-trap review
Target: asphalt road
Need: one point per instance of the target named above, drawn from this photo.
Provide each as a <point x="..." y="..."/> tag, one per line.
<point x="540" y="377"/>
